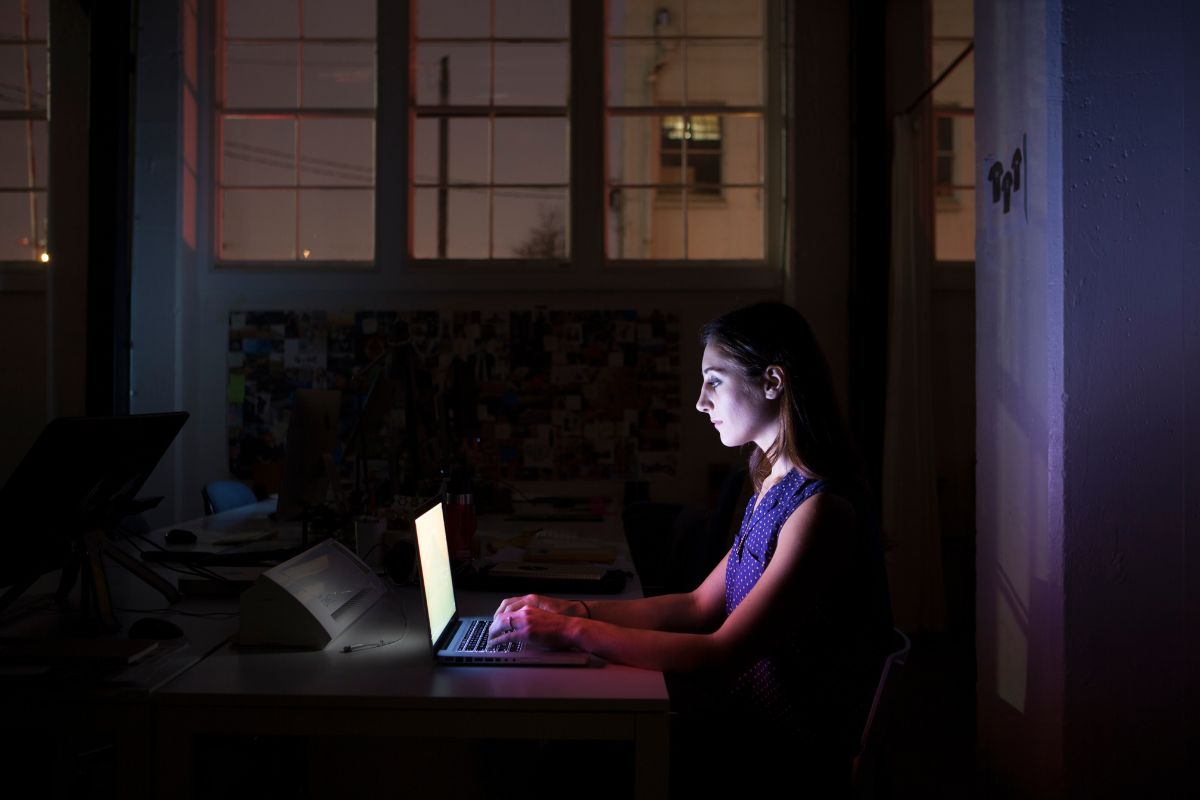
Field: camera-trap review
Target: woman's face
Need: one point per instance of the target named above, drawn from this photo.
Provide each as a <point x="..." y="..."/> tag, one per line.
<point x="736" y="405"/>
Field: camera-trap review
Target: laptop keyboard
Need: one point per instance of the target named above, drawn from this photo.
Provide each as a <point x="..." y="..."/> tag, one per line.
<point x="476" y="640"/>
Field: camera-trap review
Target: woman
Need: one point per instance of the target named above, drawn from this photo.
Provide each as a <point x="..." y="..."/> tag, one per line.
<point x="792" y="626"/>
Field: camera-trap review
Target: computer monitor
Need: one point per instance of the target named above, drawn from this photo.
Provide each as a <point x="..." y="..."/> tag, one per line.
<point x="81" y="475"/>
<point x="312" y="438"/>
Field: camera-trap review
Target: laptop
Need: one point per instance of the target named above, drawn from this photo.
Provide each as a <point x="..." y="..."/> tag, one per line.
<point x="463" y="640"/>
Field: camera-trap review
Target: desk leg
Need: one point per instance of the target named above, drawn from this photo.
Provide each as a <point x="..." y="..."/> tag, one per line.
<point x="174" y="760"/>
<point x="652" y="759"/>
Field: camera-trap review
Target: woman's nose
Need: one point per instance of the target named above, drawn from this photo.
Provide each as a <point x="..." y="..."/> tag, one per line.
<point x="702" y="404"/>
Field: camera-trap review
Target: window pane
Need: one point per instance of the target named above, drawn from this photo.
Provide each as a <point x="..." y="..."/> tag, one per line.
<point x="742" y="149"/>
<point x="724" y="72"/>
<point x="467" y="146"/>
<point x="723" y="18"/>
<point x="631" y="18"/>
<point x="258" y="224"/>
<point x="539" y="18"/>
<point x="466" y="223"/>
<point x="639" y="151"/>
<point x="958" y="89"/>
<point x="644" y="74"/>
<point x="339" y="76"/>
<point x="261" y="76"/>
<point x="13" y="94"/>
<point x="468" y="72"/>
<point x="19" y="211"/>
<point x="531" y="150"/>
<point x="634" y="149"/>
<point x="14" y="154"/>
<point x="531" y="74"/>
<point x="337" y="224"/>
<point x="639" y="226"/>
<point x="952" y="18"/>
<point x="955" y="226"/>
<point x="337" y="152"/>
<point x="247" y="19"/>
<point x="340" y="19"/>
<point x="530" y="223"/>
<point x="259" y="152"/>
<point x="453" y="18"/>
<point x="40" y="169"/>
<point x="727" y="227"/>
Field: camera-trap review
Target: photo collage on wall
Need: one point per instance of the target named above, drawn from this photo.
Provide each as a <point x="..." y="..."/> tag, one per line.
<point x="529" y="394"/>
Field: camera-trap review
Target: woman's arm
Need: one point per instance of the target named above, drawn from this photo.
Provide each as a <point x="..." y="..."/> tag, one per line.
<point x="811" y="542"/>
<point x="697" y="610"/>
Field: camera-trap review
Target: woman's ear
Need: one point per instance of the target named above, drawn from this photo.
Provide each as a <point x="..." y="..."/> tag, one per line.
<point x="772" y="382"/>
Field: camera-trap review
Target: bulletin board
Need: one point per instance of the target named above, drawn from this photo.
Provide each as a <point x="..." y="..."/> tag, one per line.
<point x="530" y="394"/>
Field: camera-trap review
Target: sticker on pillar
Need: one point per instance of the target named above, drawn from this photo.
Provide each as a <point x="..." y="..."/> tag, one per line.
<point x="1004" y="191"/>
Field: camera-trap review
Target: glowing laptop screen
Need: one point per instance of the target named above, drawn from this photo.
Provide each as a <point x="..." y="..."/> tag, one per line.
<point x="435" y="570"/>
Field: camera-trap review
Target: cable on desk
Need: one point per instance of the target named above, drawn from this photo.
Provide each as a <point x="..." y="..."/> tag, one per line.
<point x="355" y="648"/>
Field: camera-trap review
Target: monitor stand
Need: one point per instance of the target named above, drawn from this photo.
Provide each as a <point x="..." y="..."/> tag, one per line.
<point x="86" y="565"/>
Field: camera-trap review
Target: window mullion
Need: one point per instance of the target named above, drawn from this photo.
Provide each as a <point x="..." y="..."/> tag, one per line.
<point x="392" y="197"/>
<point x="588" y="206"/>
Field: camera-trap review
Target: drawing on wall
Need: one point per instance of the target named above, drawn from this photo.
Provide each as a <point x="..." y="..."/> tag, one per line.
<point x="529" y="394"/>
<point x="1005" y="179"/>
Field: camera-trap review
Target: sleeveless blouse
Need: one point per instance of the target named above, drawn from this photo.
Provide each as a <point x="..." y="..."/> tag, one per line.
<point x="821" y="671"/>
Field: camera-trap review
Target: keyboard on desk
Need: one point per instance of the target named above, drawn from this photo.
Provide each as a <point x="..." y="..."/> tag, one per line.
<point x="475" y="640"/>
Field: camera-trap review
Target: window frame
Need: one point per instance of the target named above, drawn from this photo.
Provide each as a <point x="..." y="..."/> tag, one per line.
<point x="30" y="116"/>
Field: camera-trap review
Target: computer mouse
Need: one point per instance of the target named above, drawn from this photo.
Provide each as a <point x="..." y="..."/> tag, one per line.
<point x="154" y="628"/>
<point x="180" y="536"/>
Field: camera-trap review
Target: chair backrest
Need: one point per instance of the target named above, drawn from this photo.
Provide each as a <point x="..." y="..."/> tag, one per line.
<point x="877" y="718"/>
<point x="221" y="496"/>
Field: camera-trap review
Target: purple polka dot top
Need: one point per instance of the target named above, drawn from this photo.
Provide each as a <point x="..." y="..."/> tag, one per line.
<point x="820" y="669"/>
<point x="762" y="689"/>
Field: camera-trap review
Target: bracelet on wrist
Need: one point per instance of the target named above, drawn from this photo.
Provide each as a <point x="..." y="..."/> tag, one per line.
<point x="587" y="611"/>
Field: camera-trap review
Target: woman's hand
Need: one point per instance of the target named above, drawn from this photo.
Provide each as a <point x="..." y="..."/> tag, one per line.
<point x="530" y="622"/>
<point x="570" y="608"/>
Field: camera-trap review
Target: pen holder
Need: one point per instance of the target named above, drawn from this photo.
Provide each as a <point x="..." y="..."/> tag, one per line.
<point x="460" y="526"/>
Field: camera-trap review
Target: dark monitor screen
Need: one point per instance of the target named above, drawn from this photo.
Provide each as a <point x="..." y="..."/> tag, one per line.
<point x="82" y="473"/>
<point x="312" y="438"/>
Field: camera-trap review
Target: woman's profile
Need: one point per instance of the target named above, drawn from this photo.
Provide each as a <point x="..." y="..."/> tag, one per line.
<point x="782" y="642"/>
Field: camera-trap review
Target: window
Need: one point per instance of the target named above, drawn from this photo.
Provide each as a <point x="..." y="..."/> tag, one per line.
<point x="953" y="132"/>
<point x="671" y="150"/>
<point x="698" y="139"/>
<point x="23" y="137"/>
<point x="686" y="107"/>
<point x="490" y="135"/>
<point x="296" y="131"/>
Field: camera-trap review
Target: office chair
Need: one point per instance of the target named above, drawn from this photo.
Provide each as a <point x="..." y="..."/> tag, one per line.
<point x="866" y="762"/>
<point x="221" y="496"/>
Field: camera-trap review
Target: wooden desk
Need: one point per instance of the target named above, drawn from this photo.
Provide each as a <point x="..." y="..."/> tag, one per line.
<point x="399" y="691"/>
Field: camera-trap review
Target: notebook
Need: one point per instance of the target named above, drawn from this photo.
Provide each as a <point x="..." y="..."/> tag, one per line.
<point x="463" y="640"/>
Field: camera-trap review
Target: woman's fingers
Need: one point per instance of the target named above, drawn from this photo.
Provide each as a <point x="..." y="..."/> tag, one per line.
<point x="511" y="604"/>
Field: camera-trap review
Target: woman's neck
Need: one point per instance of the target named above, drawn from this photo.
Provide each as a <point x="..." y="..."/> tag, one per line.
<point x="779" y="471"/>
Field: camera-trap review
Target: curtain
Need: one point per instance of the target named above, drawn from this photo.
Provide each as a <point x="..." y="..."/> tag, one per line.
<point x="912" y="534"/>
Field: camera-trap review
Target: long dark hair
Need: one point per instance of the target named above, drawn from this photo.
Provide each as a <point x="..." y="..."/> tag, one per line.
<point x="812" y="432"/>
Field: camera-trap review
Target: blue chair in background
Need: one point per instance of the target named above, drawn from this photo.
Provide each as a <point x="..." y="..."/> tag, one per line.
<point x="223" y="495"/>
